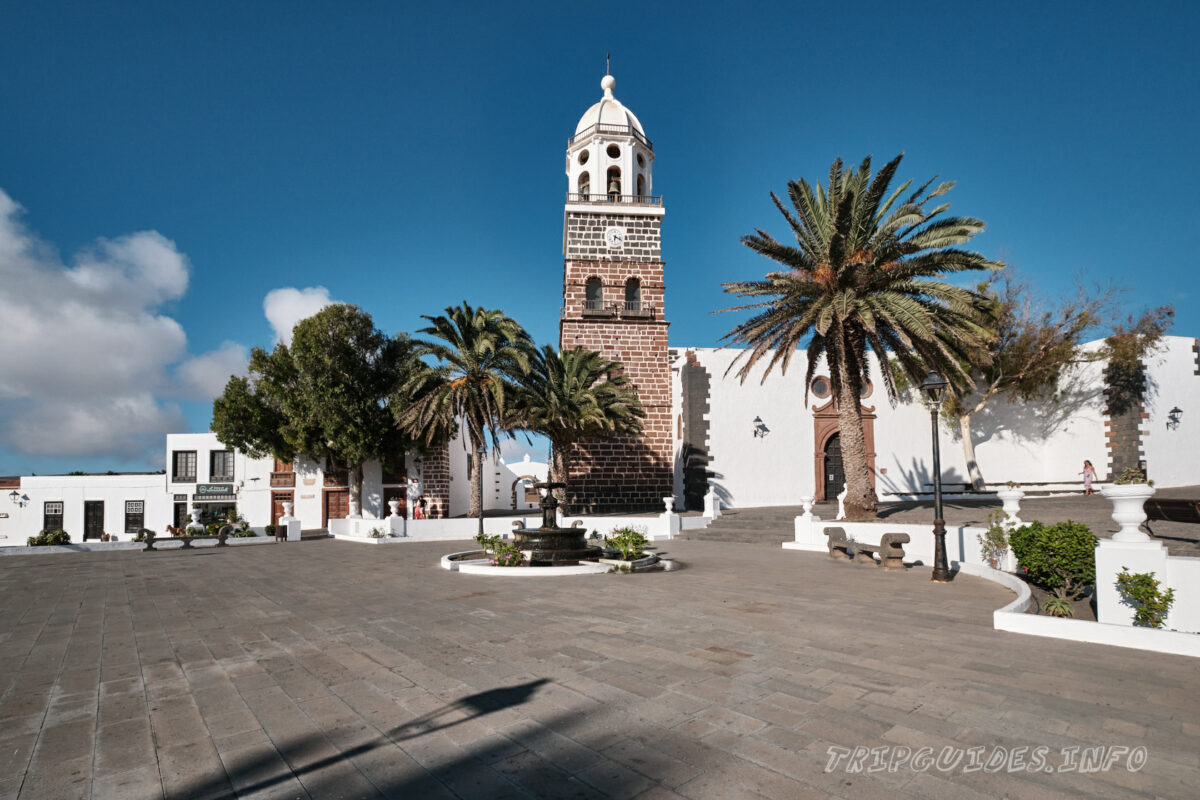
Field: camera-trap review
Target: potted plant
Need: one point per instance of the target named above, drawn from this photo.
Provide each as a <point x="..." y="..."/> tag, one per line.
<point x="1010" y="496"/>
<point x="1128" y="494"/>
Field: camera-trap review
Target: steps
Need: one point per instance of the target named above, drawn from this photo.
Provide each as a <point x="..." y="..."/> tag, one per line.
<point x="769" y="525"/>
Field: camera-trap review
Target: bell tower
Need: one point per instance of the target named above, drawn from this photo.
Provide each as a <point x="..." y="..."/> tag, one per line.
<point x="613" y="301"/>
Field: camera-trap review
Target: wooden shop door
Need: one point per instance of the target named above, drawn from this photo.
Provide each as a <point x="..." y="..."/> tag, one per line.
<point x="277" y="501"/>
<point x="337" y="505"/>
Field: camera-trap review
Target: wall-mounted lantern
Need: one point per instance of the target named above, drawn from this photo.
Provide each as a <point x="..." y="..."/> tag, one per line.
<point x="1173" y="417"/>
<point x="760" y="428"/>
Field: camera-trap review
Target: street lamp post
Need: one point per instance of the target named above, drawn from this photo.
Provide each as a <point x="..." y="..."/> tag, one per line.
<point x="934" y="387"/>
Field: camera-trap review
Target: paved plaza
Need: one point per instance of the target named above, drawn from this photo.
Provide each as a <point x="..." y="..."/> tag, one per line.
<point x="327" y="669"/>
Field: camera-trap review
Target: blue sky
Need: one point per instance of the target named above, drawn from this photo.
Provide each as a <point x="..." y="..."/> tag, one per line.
<point x="406" y="157"/>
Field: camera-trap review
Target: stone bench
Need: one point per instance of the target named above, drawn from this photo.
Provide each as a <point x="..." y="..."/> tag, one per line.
<point x="151" y="538"/>
<point x="890" y="548"/>
<point x="1172" y="510"/>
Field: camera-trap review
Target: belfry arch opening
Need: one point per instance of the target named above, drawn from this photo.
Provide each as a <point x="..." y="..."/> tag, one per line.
<point x="613" y="183"/>
<point x="593" y="294"/>
<point x="633" y="295"/>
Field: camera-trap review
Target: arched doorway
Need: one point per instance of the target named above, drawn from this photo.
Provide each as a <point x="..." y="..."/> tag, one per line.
<point x="825" y="431"/>
<point x="833" y="474"/>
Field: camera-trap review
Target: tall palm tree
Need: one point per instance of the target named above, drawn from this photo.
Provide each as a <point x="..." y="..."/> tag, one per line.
<point x="866" y="272"/>
<point x="572" y="395"/>
<point x="479" y="353"/>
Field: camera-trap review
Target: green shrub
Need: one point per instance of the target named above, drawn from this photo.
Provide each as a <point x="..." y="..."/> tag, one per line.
<point x="993" y="543"/>
<point x="1131" y="475"/>
<point x="1058" y="607"/>
<point x="488" y="541"/>
<point x="506" y="555"/>
<point x="1141" y="592"/>
<point x="628" y="541"/>
<point x="1059" y="558"/>
<point x="270" y="530"/>
<point x="48" y="538"/>
<point x="140" y="536"/>
<point x="244" y="533"/>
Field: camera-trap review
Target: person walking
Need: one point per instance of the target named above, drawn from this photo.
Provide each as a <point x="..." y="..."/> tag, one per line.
<point x="1089" y="475"/>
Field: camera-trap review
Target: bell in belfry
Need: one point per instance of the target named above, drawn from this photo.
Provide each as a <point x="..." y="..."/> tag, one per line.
<point x="614" y="185"/>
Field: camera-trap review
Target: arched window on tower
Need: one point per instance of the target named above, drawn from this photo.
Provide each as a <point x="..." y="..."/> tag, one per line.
<point x="593" y="295"/>
<point x="614" y="182"/>
<point x="585" y="185"/>
<point x="633" y="295"/>
<point x="641" y="185"/>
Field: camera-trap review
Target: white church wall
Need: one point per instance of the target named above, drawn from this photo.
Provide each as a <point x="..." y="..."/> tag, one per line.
<point x="1040" y="442"/>
<point x="1174" y="383"/>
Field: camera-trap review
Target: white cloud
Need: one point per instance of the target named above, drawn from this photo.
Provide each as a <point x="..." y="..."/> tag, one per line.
<point x="204" y="377"/>
<point x="85" y="350"/>
<point x="122" y="428"/>
<point x="287" y="306"/>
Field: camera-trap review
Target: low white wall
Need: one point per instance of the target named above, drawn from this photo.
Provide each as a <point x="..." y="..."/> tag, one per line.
<point x="1173" y="572"/>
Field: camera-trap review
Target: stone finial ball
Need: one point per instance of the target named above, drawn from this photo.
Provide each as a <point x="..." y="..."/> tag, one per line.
<point x="608" y="83"/>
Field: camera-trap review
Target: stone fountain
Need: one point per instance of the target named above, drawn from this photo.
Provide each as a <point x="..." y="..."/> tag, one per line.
<point x="551" y="545"/>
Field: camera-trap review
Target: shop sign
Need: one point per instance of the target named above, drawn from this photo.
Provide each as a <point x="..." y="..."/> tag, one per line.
<point x="213" y="491"/>
<point x="179" y="498"/>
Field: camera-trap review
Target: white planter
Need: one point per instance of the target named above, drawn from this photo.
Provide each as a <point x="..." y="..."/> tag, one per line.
<point x="287" y="510"/>
<point x="806" y="502"/>
<point x="1128" y="512"/>
<point x="1011" y="500"/>
<point x="394" y="505"/>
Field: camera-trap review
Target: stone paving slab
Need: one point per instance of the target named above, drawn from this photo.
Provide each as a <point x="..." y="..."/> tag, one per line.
<point x="326" y="669"/>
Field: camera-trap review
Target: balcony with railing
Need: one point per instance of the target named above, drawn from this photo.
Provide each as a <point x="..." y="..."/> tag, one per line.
<point x="616" y="199"/>
<point x="636" y="309"/>
<point x="283" y="479"/>
<point x="627" y="309"/>
<point x="608" y="129"/>
<point x="336" y="478"/>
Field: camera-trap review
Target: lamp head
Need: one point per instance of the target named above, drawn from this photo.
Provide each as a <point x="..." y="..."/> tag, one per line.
<point x="934" y="388"/>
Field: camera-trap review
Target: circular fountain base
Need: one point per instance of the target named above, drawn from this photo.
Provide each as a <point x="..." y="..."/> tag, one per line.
<point x="555" y="547"/>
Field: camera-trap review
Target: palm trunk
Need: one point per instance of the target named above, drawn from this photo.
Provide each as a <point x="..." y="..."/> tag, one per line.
<point x="861" y="503"/>
<point x="561" y="458"/>
<point x="477" y="485"/>
<point x="964" y="426"/>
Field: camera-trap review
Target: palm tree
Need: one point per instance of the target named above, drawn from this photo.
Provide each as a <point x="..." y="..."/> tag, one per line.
<point x="576" y="394"/>
<point x="866" y="272"/>
<point x="479" y="352"/>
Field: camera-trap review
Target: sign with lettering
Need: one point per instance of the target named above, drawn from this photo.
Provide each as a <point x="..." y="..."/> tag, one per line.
<point x="179" y="498"/>
<point x="209" y="491"/>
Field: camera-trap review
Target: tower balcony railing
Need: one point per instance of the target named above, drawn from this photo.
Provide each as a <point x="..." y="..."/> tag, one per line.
<point x="605" y="128"/>
<point x="626" y="309"/>
<point x="616" y="199"/>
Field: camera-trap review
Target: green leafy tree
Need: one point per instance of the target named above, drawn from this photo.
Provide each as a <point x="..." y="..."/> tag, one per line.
<point x="1036" y="345"/>
<point x="866" y="273"/>
<point x="575" y="394"/>
<point x="1125" y="381"/>
<point x="480" y="353"/>
<point x="327" y="397"/>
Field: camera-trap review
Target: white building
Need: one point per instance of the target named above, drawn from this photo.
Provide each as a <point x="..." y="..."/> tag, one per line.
<point x="206" y="480"/>
<point x="759" y="445"/>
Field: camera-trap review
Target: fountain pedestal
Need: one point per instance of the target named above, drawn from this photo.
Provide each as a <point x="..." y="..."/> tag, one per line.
<point x="551" y="545"/>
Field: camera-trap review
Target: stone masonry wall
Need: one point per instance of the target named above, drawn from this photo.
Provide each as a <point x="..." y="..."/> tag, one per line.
<point x="436" y="479"/>
<point x="627" y="473"/>
<point x="585" y="236"/>
<point x="1123" y="439"/>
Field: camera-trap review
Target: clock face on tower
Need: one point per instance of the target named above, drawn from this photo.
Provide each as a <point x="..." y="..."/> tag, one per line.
<point x="614" y="237"/>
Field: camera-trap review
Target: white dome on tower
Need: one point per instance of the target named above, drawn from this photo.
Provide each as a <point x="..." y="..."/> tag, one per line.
<point x="609" y="111"/>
